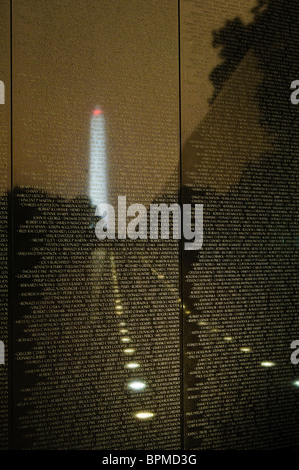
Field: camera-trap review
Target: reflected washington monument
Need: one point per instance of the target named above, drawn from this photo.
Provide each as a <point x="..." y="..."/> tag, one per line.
<point x="104" y="260"/>
<point x="98" y="177"/>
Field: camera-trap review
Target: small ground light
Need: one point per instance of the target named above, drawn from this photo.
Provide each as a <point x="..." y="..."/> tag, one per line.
<point x="144" y="415"/>
<point x="136" y="385"/>
<point x="123" y="331"/>
<point x="228" y="338"/>
<point x="132" y="365"/>
<point x="129" y="350"/>
<point x="125" y="340"/>
<point x="296" y="383"/>
<point x="246" y="350"/>
<point x="267" y="364"/>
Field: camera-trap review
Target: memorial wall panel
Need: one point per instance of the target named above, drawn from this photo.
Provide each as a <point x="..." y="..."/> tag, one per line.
<point x="240" y="160"/>
<point x="97" y="352"/>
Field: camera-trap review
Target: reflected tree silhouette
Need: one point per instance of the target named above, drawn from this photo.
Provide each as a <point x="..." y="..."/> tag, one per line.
<point x="273" y="38"/>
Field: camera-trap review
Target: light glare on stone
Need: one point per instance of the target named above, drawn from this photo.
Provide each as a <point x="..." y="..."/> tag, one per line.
<point x="144" y="415"/>
<point x="267" y="364"/>
<point x="137" y="385"/>
<point x="132" y="365"/>
<point x="129" y="351"/>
